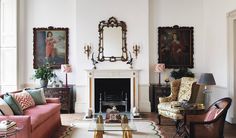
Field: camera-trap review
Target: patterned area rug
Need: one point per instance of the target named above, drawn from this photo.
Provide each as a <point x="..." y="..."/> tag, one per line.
<point x="145" y="129"/>
<point x="74" y="127"/>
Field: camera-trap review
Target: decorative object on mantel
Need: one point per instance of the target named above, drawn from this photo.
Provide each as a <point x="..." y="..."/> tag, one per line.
<point x="66" y="68"/>
<point x="136" y="50"/>
<point x="50" y="47"/>
<point x="87" y="50"/>
<point x="160" y="67"/>
<point x="182" y="72"/>
<point x="130" y="61"/>
<point x="94" y="62"/>
<point x="44" y="73"/>
<point x="175" y="46"/>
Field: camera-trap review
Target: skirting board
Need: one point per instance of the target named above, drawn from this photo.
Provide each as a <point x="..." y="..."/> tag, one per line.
<point x="231" y="120"/>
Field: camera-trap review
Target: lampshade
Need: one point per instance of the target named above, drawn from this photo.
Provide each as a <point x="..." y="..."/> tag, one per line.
<point x="66" y="68"/>
<point x="206" y="79"/>
<point x="160" y="67"/>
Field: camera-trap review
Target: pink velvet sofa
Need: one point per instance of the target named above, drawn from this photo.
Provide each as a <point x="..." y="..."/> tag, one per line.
<point x="40" y="121"/>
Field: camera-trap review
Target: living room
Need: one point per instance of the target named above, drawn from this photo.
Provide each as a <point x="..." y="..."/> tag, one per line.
<point x="212" y="45"/>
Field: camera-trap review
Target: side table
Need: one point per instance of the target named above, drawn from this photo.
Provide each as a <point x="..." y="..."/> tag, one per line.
<point x="190" y="109"/>
<point x="156" y="91"/>
<point x="65" y="94"/>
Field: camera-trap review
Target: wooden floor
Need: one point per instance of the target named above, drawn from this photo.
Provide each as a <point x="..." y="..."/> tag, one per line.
<point x="168" y="126"/>
<point x="230" y="130"/>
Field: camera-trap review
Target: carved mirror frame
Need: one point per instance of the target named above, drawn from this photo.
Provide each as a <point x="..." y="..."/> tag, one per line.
<point x="112" y="22"/>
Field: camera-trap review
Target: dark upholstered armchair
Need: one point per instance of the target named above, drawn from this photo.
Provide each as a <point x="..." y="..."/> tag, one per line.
<point x="211" y="123"/>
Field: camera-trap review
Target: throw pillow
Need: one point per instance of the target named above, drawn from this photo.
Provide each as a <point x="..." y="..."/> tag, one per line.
<point x="37" y="95"/>
<point x="212" y="113"/>
<point x="14" y="105"/>
<point x="4" y="107"/>
<point x="24" y="99"/>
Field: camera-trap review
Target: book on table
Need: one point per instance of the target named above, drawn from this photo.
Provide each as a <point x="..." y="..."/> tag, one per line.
<point x="6" y="125"/>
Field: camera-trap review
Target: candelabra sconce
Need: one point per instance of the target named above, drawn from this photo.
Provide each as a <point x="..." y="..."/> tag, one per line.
<point x="136" y="50"/>
<point x="87" y="50"/>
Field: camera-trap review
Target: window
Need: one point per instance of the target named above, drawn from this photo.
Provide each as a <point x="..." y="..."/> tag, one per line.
<point x="8" y="45"/>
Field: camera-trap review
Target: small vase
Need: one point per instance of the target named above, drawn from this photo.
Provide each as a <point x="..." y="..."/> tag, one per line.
<point x="44" y="83"/>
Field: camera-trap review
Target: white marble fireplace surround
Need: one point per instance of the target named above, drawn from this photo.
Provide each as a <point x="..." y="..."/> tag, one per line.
<point x="125" y="73"/>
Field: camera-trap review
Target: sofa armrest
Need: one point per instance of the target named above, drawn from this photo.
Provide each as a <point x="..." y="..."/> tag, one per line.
<point x="53" y="100"/>
<point x="22" y="122"/>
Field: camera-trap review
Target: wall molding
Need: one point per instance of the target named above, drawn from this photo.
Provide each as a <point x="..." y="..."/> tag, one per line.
<point x="231" y="30"/>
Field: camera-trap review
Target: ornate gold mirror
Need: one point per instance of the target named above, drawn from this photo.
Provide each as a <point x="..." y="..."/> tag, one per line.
<point x="112" y="41"/>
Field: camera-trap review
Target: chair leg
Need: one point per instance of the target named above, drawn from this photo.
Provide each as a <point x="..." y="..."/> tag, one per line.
<point x="159" y="119"/>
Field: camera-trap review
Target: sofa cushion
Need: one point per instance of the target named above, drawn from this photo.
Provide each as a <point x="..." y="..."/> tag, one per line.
<point x="24" y="99"/>
<point x="41" y="113"/>
<point x="37" y="95"/>
<point x="4" y="107"/>
<point x="169" y="106"/>
<point x="212" y="113"/>
<point x="14" y="105"/>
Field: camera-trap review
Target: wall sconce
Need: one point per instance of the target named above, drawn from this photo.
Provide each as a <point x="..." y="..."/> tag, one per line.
<point x="87" y="50"/>
<point x="136" y="50"/>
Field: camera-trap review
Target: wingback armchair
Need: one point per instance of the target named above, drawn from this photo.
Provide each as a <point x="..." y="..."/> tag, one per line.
<point x="211" y="122"/>
<point x="184" y="89"/>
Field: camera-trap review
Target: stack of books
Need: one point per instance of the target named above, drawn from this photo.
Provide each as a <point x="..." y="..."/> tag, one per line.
<point x="6" y="125"/>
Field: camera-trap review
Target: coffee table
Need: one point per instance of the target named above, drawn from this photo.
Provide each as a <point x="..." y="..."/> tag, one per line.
<point x="99" y="129"/>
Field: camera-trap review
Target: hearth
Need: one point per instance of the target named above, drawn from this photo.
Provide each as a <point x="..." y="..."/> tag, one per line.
<point x="112" y="92"/>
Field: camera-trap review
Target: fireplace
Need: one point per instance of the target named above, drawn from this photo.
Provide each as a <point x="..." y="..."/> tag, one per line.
<point x="111" y="92"/>
<point x="130" y="88"/>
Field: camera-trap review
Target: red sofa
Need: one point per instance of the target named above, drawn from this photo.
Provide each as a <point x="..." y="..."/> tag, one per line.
<point x="40" y="121"/>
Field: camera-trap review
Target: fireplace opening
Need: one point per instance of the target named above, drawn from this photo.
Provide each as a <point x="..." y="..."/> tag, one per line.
<point x="111" y="92"/>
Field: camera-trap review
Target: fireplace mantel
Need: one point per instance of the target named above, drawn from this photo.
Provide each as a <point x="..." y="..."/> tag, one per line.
<point x="114" y="73"/>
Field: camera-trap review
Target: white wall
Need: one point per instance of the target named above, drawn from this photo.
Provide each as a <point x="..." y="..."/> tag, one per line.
<point x="82" y="18"/>
<point x="44" y="13"/>
<point x="142" y="18"/>
<point x="182" y="13"/>
<point x="90" y="13"/>
<point x="135" y="14"/>
<point x="215" y="21"/>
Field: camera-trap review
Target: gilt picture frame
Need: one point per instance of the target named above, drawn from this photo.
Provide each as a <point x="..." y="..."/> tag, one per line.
<point x="175" y="46"/>
<point x="50" y="46"/>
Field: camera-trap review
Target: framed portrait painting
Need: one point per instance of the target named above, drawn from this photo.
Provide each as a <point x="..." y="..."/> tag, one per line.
<point x="175" y="46"/>
<point x="50" y="47"/>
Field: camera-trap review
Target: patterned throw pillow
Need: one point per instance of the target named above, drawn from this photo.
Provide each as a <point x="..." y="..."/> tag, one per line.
<point x="4" y="107"/>
<point x="37" y="95"/>
<point x="14" y="105"/>
<point x="24" y="99"/>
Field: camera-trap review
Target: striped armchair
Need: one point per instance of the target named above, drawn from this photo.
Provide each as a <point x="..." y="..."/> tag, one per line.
<point x="184" y="89"/>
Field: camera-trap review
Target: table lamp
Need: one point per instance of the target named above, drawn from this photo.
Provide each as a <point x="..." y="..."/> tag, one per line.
<point x="160" y="67"/>
<point x="206" y="79"/>
<point x="66" y="68"/>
